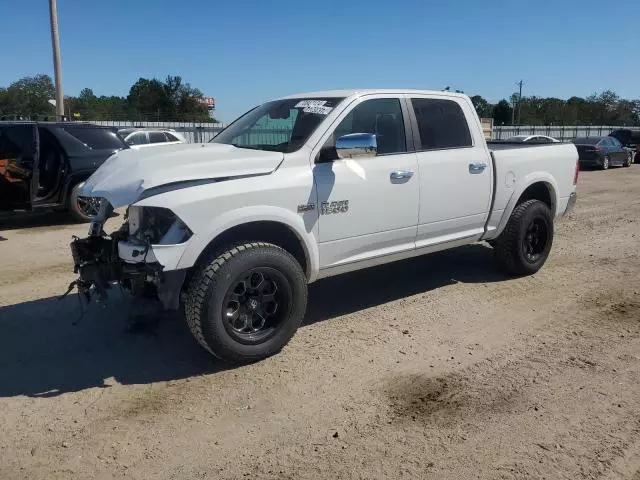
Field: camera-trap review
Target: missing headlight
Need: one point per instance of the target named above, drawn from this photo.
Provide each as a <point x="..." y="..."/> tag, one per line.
<point x="156" y="226"/>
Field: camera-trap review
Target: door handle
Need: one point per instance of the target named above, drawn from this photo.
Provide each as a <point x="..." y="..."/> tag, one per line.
<point x="401" y="174"/>
<point x="477" y="167"/>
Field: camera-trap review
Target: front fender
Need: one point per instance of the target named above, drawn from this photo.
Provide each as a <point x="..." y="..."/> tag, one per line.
<point x="240" y="216"/>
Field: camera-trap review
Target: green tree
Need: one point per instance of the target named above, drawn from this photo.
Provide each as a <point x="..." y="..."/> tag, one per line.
<point x="28" y="97"/>
<point x="148" y="99"/>
<point x="502" y="113"/>
<point x="482" y="107"/>
<point x="171" y="100"/>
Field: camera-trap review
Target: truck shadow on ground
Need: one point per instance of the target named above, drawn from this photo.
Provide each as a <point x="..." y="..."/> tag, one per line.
<point x="42" y="354"/>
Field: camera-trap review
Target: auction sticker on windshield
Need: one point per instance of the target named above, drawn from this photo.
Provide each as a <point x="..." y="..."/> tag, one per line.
<point x="310" y="103"/>
<point x="319" y="110"/>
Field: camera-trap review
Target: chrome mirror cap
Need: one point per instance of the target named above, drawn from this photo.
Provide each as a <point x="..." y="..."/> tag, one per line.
<point x="357" y="145"/>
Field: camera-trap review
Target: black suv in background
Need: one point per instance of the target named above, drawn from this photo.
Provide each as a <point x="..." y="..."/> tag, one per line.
<point x="43" y="164"/>
<point x="630" y="139"/>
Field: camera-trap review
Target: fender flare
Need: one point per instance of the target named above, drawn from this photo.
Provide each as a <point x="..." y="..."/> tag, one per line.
<point x="240" y="216"/>
<point x="521" y="187"/>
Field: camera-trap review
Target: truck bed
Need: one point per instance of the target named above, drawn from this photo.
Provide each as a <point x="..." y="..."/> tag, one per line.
<point x="518" y="163"/>
<point x="507" y="145"/>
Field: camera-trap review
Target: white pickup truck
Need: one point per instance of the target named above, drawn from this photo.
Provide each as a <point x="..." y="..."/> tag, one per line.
<point x="310" y="186"/>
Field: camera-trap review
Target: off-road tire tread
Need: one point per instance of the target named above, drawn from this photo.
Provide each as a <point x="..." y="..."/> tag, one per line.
<point x="201" y="282"/>
<point x="506" y="245"/>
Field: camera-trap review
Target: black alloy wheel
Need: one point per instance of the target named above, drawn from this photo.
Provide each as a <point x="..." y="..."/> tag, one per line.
<point x="256" y="304"/>
<point x="535" y="240"/>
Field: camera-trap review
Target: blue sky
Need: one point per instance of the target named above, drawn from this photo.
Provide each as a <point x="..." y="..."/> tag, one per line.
<point x="245" y="52"/>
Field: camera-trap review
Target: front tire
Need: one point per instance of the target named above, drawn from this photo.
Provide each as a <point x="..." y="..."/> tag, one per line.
<point x="246" y="303"/>
<point x="82" y="209"/>
<point x="629" y="160"/>
<point x="524" y="245"/>
<point x="605" y="163"/>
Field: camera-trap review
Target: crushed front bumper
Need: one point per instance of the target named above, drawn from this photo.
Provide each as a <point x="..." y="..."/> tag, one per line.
<point x="100" y="267"/>
<point x="103" y="261"/>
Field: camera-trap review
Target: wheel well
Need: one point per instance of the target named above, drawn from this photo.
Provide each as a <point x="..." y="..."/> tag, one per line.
<point x="538" y="191"/>
<point x="68" y="187"/>
<point x="263" y="231"/>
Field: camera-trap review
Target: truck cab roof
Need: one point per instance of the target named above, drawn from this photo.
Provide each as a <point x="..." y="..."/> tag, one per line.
<point x="371" y="91"/>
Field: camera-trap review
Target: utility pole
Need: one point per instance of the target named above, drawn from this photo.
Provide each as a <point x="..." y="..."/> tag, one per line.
<point x="519" y="100"/>
<point x="57" y="68"/>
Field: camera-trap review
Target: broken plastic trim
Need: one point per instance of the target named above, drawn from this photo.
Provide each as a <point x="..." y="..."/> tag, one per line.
<point x="156" y="226"/>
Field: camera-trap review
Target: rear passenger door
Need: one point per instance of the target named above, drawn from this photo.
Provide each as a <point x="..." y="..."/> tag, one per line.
<point x="455" y="170"/>
<point x="620" y="152"/>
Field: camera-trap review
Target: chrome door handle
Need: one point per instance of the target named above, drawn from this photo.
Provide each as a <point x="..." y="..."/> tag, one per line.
<point x="477" y="167"/>
<point x="401" y="174"/>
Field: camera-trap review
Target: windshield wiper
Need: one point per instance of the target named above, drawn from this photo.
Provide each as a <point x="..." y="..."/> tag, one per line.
<point x="248" y="147"/>
<point x="269" y="148"/>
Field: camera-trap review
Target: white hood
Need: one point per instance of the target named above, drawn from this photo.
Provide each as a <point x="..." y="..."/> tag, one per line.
<point x="123" y="177"/>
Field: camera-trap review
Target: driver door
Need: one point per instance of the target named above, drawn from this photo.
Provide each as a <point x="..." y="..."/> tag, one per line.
<point x="18" y="166"/>
<point x="368" y="205"/>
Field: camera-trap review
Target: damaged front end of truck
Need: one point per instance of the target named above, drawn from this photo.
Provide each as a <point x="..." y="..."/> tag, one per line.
<point x="125" y="258"/>
<point x="144" y="255"/>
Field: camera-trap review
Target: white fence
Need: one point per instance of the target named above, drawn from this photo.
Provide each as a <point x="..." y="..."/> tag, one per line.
<point x="562" y="133"/>
<point x="194" y="132"/>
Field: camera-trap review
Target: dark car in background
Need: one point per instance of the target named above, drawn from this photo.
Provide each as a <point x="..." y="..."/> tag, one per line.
<point x="630" y="140"/>
<point x="601" y="152"/>
<point x="43" y="164"/>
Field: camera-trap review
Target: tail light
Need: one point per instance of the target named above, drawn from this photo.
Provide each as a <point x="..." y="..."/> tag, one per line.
<point x="576" y="173"/>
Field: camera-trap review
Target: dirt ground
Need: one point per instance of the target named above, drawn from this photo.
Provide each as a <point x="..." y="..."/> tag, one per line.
<point x="438" y="367"/>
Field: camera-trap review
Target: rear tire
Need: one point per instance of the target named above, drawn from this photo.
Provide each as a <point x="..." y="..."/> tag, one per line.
<point x="605" y="163"/>
<point x="628" y="162"/>
<point x="225" y="308"/>
<point x="524" y="245"/>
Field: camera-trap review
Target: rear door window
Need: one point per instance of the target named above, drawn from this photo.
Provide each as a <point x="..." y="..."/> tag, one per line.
<point x="157" y="137"/>
<point x="441" y="124"/>
<point x="95" y="138"/>
<point x="170" y="138"/>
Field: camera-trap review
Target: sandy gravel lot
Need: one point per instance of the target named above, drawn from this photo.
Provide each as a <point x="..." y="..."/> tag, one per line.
<point x="435" y="368"/>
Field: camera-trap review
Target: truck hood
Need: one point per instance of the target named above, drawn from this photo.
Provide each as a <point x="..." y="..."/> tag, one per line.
<point x="127" y="174"/>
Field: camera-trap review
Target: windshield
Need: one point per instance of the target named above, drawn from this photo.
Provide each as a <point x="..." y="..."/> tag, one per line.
<point x="279" y="126"/>
<point x="587" y="140"/>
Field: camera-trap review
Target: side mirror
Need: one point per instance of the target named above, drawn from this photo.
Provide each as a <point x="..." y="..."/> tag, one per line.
<point x="357" y="145"/>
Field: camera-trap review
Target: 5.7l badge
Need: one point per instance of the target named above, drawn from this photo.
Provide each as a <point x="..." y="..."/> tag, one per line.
<point x="329" y="208"/>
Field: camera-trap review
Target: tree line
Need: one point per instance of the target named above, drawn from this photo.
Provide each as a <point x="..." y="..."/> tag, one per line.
<point x="175" y="100"/>
<point x="171" y="100"/>
<point x="605" y="108"/>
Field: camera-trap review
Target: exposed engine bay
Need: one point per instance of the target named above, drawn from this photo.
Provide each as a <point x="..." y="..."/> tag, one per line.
<point x="100" y="266"/>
